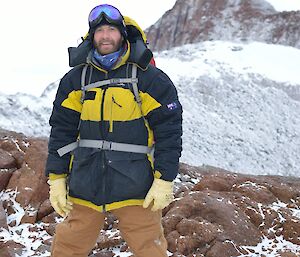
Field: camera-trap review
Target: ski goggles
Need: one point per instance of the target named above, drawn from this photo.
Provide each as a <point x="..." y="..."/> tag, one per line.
<point x="109" y="12"/>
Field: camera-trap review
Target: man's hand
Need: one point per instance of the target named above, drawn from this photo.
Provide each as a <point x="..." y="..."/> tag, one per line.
<point x="58" y="196"/>
<point x="161" y="193"/>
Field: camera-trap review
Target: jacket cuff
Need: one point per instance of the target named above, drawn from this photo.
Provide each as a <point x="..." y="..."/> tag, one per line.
<point x="53" y="176"/>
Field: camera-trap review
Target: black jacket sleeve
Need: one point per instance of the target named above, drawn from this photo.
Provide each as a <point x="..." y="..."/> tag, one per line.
<point x="166" y="123"/>
<point x="64" y="125"/>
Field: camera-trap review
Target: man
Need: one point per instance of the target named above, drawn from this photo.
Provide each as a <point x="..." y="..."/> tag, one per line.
<point x="110" y="167"/>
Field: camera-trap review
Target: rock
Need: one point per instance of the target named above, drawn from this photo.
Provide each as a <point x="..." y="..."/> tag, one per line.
<point x="112" y="239"/>
<point x="26" y="181"/>
<point x="4" y="252"/>
<point x="30" y="215"/>
<point x="51" y="218"/>
<point x="227" y="248"/>
<point x="3" y="222"/>
<point x="192" y="21"/>
<point x="44" y="210"/>
<point x="30" y="179"/>
<point x="5" y="176"/>
<point x="291" y="230"/>
<point x="6" y="160"/>
<point x="103" y="254"/>
<point x="13" y="142"/>
<point x="226" y="210"/>
<point x="10" y="249"/>
<point x="215" y="211"/>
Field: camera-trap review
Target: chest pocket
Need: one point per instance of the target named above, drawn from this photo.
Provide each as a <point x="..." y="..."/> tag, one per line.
<point x="120" y="105"/>
<point x="92" y="104"/>
<point x="116" y="103"/>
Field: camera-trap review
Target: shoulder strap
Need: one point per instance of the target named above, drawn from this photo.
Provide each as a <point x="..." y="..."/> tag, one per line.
<point x="83" y="75"/>
<point x="135" y="88"/>
<point x="109" y="82"/>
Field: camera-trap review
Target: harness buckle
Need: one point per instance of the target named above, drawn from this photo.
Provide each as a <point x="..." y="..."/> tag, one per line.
<point x="115" y="81"/>
<point x="106" y="145"/>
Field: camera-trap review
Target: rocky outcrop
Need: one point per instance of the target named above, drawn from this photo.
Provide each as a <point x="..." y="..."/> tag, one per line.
<point x="22" y="169"/>
<point x="191" y="21"/>
<point x="215" y="211"/>
<point x="224" y="212"/>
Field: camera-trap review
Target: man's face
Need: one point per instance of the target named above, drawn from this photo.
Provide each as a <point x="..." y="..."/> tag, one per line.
<point x="107" y="39"/>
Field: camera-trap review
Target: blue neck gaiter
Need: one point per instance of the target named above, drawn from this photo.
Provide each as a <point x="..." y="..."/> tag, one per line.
<point x="109" y="60"/>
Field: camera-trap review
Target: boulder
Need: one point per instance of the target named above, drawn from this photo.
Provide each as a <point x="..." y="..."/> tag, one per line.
<point x="215" y="211"/>
<point x="225" y="211"/>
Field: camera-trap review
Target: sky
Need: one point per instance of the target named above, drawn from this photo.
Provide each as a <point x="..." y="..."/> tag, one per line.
<point x="36" y="35"/>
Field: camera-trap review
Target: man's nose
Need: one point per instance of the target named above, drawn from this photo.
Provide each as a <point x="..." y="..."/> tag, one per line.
<point x="105" y="34"/>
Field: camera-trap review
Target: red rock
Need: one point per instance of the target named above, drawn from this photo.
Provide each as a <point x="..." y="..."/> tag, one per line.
<point x="44" y="210"/>
<point x="51" y="218"/>
<point x="10" y="249"/>
<point x="6" y="160"/>
<point x="216" y="211"/>
<point x="227" y="248"/>
<point x="103" y="254"/>
<point x="105" y="241"/>
<point x="291" y="231"/>
<point x="3" y="222"/>
<point x="30" y="179"/>
<point x="30" y="216"/>
<point x="5" y="176"/>
<point x="202" y="20"/>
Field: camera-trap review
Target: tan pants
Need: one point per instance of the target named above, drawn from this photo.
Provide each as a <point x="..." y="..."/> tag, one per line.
<point x="141" y="229"/>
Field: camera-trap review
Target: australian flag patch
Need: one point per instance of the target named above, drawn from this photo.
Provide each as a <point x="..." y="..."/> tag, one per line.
<point x="172" y="106"/>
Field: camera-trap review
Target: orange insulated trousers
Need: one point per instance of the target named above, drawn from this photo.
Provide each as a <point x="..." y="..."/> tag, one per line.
<point x="141" y="229"/>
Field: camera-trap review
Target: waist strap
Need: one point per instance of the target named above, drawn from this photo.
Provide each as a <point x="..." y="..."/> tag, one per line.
<point x="104" y="145"/>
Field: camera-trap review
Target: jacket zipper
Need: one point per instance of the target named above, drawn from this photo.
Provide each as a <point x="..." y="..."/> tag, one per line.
<point x="111" y="113"/>
<point x="103" y="154"/>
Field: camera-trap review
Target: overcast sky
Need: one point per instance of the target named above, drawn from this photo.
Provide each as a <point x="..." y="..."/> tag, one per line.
<point x="35" y="35"/>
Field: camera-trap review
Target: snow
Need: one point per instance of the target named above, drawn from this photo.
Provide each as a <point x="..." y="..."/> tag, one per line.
<point x="241" y="105"/>
<point x="270" y="248"/>
<point x="285" y="5"/>
<point x="29" y="235"/>
<point x="275" y="62"/>
<point x="32" y="236"/>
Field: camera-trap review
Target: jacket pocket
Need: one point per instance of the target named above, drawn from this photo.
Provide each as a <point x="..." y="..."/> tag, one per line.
<point x="130" y="179"/>
<point x="83" y="178"/>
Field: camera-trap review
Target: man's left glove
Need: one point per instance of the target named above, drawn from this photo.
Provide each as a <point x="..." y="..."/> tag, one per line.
<point x="58" y="196"/>
<point x="161" y="193"/>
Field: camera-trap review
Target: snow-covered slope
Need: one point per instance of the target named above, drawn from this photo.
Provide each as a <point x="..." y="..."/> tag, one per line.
<point x="27" y="113"/>
<point x="241" y="106"/>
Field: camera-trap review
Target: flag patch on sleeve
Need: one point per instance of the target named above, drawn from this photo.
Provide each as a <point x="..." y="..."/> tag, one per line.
<point x="172" y="106"/>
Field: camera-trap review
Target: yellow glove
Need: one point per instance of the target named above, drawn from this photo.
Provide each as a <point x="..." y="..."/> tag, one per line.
<point x="161" y="192"/>
<point x="58" y="196"/>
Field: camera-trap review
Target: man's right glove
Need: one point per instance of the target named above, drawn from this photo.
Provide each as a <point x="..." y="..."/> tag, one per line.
<point x="58" y="196"/>
<point x="161" y="193"/>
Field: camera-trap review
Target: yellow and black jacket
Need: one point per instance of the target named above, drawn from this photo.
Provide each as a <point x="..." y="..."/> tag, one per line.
<point x="103" y="179"/>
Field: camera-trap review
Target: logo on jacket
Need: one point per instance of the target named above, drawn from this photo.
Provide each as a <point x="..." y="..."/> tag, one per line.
<point x="172" y="106"/>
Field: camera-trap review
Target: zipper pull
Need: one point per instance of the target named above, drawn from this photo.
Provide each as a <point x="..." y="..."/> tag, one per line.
<point x="114" y="101"/>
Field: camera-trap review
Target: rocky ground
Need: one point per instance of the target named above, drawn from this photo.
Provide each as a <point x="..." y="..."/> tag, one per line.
<point x="215" y="212"/>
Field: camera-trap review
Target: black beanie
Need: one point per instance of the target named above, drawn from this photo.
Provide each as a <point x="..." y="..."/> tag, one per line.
<point x="104" y="21"/>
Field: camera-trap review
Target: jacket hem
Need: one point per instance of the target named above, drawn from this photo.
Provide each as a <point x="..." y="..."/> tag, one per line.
<point x="109" y="206"/>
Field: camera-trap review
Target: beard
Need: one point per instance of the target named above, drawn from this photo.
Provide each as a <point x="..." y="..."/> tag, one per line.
<point x="107" y="46"/>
